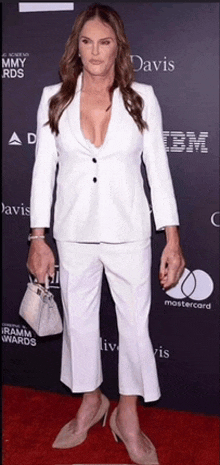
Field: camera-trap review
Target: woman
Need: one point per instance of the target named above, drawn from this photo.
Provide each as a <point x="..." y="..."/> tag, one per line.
<point x="95" y="126"/>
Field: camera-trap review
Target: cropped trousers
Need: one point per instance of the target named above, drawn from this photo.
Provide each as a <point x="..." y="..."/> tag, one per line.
<point x="128" y="271"/>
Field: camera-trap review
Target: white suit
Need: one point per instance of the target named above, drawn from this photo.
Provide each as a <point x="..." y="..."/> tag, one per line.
<point x="102" y="219"/>
<point x="115" y="208"/>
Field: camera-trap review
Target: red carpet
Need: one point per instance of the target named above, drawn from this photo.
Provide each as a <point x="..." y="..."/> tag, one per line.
<point x="32" y="419"/>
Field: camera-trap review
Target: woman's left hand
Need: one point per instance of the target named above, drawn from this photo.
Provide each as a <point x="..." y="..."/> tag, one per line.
<point x="172" y="264"/>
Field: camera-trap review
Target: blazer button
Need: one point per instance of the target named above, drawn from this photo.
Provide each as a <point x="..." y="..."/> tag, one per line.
<point x="94" y="179"/>
<point x="94" y="160"/>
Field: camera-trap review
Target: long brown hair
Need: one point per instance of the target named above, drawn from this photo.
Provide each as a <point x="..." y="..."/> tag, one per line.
<point x="71" y="66"/>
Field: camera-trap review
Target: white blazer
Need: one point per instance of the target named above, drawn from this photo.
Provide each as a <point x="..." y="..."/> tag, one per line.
<point x="100" y="195"/>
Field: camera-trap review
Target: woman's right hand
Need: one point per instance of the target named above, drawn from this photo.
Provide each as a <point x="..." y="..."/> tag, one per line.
<point x="41" y="260"/>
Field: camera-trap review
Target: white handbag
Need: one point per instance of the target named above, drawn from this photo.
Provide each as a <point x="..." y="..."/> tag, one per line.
<point x="39" y="309"/>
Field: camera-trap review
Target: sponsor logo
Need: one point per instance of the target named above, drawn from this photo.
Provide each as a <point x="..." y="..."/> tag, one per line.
<point x="107" y="346"/>
<point x="15" y="210"/>
<point x="18" y="334"/>
<point x="178" y="141"/>
<point x="195" y="285"/>
<point x="15" y="140"/>
<point x="215" y="219"/>
<point x="175" y="141"/>
<point x="148" y="66"/>
<point x="161" y="352"/>
<point x="13" y="65"/>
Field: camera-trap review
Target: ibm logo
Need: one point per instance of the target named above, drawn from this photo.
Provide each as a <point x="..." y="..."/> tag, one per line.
<point x="185" y="141"/>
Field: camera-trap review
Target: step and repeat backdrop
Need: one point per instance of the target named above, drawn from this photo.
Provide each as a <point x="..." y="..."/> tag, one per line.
<point x="174" y="48"/>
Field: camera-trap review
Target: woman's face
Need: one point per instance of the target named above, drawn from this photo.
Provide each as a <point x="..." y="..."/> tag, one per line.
<point x="97" y="47"/>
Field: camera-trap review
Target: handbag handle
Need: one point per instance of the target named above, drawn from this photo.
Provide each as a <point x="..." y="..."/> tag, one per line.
<point x="46" y="282"/>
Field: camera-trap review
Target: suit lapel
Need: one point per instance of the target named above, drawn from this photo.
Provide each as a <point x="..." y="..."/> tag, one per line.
<point x="73" y="114"/>
<point x="115" y="119"/>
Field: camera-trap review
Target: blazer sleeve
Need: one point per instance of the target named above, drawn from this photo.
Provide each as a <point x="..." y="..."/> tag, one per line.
<point x="43" y="177"/>
<point x="157" y="167"/>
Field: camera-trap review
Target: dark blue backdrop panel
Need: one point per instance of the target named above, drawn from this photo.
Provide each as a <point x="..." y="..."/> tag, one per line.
<point x="174" y="48"/>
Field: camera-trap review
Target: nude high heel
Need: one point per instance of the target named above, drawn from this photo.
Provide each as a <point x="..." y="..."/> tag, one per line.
<point x="67" y="438"/>
<point x="151" y="456"/>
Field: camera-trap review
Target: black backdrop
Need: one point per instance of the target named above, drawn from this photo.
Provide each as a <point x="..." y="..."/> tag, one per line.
<point x="175" y="49"/>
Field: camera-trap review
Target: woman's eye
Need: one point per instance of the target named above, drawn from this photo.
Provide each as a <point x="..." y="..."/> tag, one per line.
<point x="85" y="41"/>
<point x="105" y="42"/>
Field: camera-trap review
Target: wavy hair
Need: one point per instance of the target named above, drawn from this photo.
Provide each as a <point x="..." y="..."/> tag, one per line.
<point x="71" y="66"/>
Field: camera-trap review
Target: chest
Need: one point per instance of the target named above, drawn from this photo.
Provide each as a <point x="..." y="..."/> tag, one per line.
<point x="120" y="138"/>
<point x="95" y="115"/>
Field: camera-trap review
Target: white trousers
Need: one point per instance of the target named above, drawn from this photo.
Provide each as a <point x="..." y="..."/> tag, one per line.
<point x="128" y="271"/>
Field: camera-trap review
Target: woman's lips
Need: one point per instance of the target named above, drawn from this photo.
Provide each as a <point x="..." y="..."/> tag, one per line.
<point x="95" y="62"/>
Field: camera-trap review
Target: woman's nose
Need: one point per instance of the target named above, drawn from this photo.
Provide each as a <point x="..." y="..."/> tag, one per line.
<point x="95" y="49"/>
